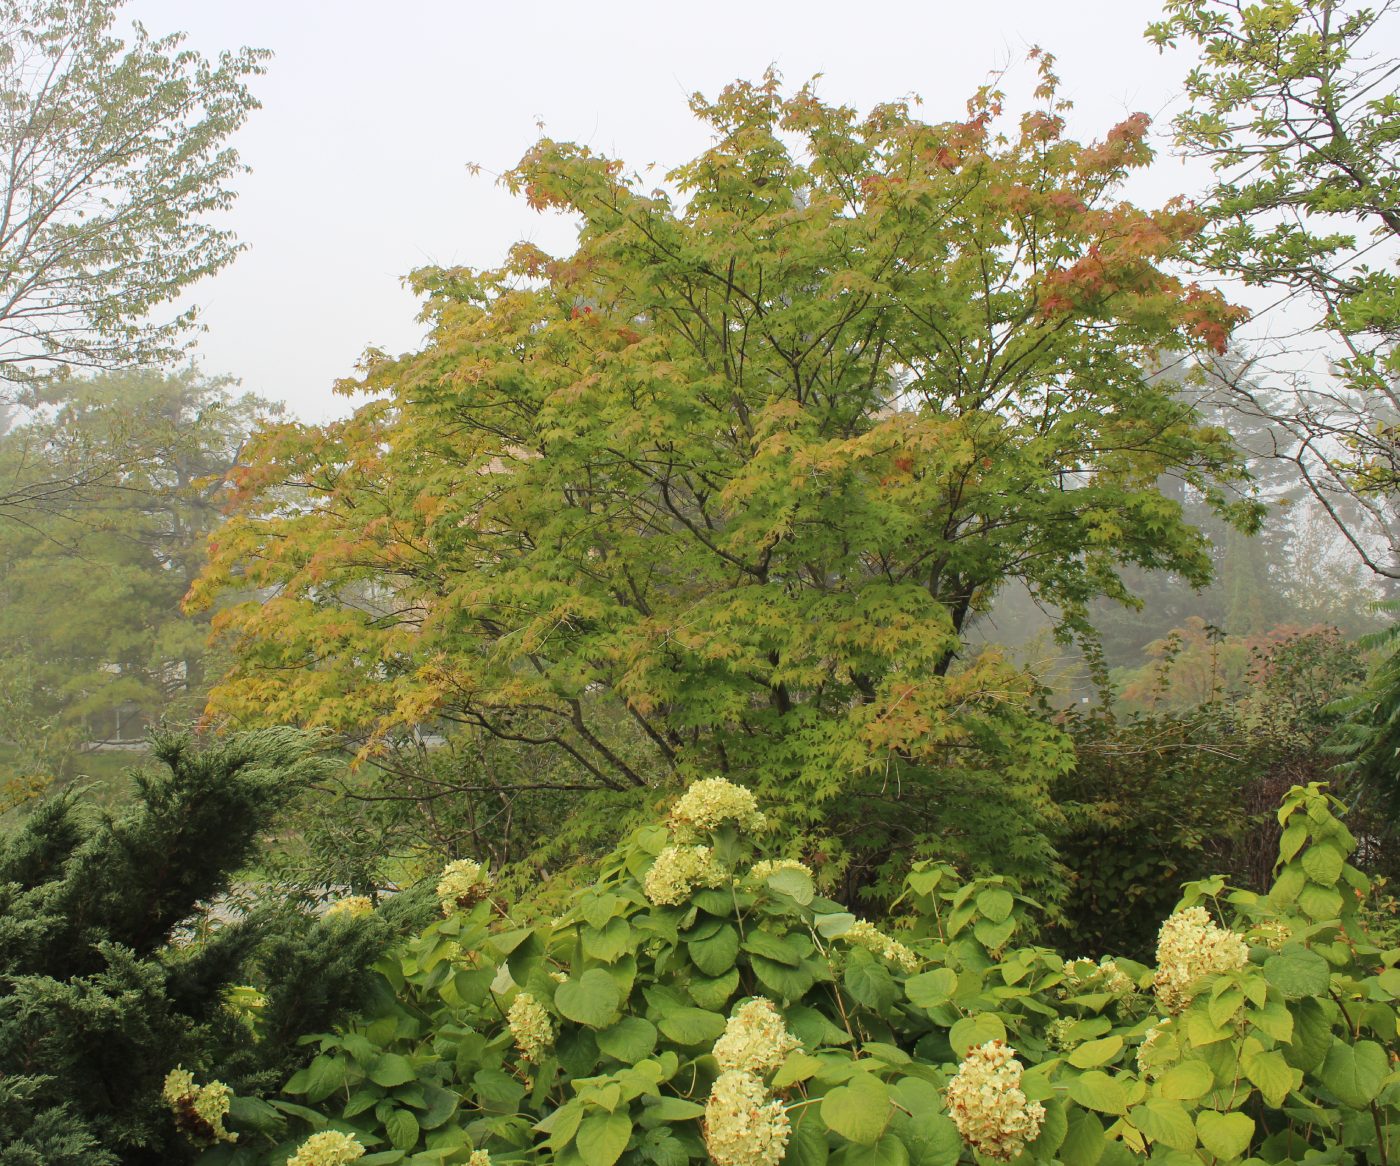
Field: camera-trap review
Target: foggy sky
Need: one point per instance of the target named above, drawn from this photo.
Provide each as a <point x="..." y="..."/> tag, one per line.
<point x="372" y="113"/>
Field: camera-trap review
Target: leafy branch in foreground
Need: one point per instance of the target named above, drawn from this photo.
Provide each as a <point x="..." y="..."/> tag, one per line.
<point x="700" y="1003"/>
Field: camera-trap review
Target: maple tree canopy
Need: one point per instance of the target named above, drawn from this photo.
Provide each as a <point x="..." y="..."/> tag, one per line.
<point x="721" y="489"/>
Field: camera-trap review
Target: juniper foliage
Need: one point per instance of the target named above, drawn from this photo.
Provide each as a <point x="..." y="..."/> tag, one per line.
<point x="114" y="969"/>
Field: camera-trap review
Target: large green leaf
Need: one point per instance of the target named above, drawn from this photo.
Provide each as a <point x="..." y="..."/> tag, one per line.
<point x="1270" y="1073"/>
<point x="391" y="1069"/>
<point x="691" y="1026"/>
<point x="629" y="1040"/>
<point x="1226" y="1135"/>
<point x="402" y="1128"/>
<point x="859" y="1110"/>
<point x="1186" y="1081"/>
<point x="788" y="983"/>
<point x="592" y="999"/>
<point x="712" y="993"/>
<point x="1312" y="1034"/>
<point x="1166" y="1122"/>
<point x="930" y="989"/>
<point x="602" y="1138"/>
<point x="869" y="983"/>
<point x="1091" y="1054"/>
<point x="715" y="954"/>
<point x="1355" y="1073"/>
<point x="978" y="1029"/>
<point x="1298" y="972"/>
<point x="1097" y="1090"/>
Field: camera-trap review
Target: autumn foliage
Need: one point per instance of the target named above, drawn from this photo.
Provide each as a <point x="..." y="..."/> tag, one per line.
<point x="721" y="489"/>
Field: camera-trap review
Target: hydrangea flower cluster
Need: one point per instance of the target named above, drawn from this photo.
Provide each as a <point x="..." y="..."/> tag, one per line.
<point x="530" y="1026"/>
<point x="328" y="1148"/>
<point x="680" y="869"/>
<point x="352" y="905"/>
<point x="870" y="937"/>
<point x="1147" y="1053"/>
<point x="199" y="1109"/>
<point x="755" y="1039"/>
<point x="1104" y="976"/>
<point x="463" y="884"/>
<point x="1189" y="948"/>
<point x="1057" y="1033"/>
<point x="761" y="871"/>
<point x="986" y="1103"/>
<point x="744" y="1124"/>
<point x="709" y="803"/>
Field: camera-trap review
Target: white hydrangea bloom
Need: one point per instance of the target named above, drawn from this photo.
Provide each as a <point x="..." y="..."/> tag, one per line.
<point x="352" y="905"/>
<point x="709" y="803"/>
<point x="530" y="1026"/>
<point x="1191" y="947"/>
<point x="463" y="884"/>
<point x="755" y="1038"/>
<point x="199" y="1109"/>
<point x="986" y="1103"/>
<point x="761" y="871"/>
<point x="678" y="870"/>
<point x="328" y="1148"/>
<point x="1147" y="1052"/>
<point x="744" y="1124"/>
<point x="870" y="937"/>
<point x="1103" y="976"/>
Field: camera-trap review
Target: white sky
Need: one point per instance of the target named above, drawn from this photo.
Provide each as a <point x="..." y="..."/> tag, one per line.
<point x="371" y="113"/>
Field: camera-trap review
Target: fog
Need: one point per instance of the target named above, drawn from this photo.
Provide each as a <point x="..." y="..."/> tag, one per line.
<point x="359" y="158"/>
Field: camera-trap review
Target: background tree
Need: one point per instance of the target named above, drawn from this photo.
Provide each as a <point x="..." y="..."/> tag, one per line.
<point x="90" y="589"/>
<point x="114" y="154"/>
<point x="1298" y="118"/>
<point x="721" y="489"/>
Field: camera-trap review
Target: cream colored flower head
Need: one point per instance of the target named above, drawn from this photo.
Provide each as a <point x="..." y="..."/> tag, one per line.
<point x="755" y="1038"/>
<point x="328" y="1148"/>
<point x="1191" y="947"/>
<point x="1158" y="1048"/>
<point x="530" y="1025"/>
<point x="986" y="1102"/>
<point x="463" y="884"/>
<point x="479" y="1158"/>
<point x="870" y="937"/>
<point x="352" y="906"/>
<point x="1104" y="976"/>
<point x="678" y="870"/>
<point x="199" y="1109"/>
<point x="762" y="871"/>
<point x="708" y="804"/>
<point x="744" y="1124"/>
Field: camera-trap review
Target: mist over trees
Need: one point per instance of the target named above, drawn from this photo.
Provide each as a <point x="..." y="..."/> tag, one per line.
<point x="861" y="658"/>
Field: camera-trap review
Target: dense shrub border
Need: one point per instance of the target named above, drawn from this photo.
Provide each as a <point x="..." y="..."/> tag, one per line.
<point x="703" y="1001"/>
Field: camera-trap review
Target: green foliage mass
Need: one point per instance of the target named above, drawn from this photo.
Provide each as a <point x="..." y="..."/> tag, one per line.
<point x="720" y="490"/>
<point x="108" y="493"/>
<point x="113" y="970"/>
<point x="595" y="1039"/>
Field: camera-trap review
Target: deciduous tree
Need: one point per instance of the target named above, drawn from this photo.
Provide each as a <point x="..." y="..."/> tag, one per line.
<point x="721" y="488"/>
<point x="1297" y="114"/>
<point x="113" y="156"/>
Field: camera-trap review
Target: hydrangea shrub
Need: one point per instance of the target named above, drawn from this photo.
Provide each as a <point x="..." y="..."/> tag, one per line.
<point x="749" y="1021"/>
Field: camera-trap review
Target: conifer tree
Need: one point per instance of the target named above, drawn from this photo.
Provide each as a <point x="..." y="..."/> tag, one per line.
<point x="114" y="969"/>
